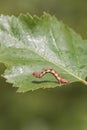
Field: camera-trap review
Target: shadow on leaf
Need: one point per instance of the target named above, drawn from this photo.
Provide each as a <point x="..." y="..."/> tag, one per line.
<point x="45" y="81"/>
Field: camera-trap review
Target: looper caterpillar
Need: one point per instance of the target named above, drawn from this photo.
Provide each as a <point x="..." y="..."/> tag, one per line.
<point x="52" y="71"/>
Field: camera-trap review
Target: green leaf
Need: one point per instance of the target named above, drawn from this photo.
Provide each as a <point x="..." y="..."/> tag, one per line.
<point x="29" y="44"/>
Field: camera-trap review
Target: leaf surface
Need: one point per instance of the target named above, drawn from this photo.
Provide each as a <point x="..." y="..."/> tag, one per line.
<point x="29" y="44"/>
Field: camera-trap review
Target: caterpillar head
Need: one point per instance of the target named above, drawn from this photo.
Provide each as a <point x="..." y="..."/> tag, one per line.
<point x="36" y="74"/>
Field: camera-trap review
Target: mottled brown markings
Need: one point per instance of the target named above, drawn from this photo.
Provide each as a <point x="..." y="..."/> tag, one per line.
<point x="52" y="71"/>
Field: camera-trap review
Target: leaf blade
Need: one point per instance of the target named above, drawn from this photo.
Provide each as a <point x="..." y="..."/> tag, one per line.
<point x="32" y="43"/>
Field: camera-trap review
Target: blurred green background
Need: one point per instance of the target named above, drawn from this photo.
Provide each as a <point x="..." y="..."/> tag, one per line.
<point x="62" y="108"/>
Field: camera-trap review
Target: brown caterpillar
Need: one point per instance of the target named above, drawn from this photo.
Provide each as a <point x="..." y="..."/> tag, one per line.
<point x="52" y="71"/>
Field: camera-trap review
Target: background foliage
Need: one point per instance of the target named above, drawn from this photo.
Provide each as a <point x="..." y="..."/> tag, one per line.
<point x="48" y="109"/>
